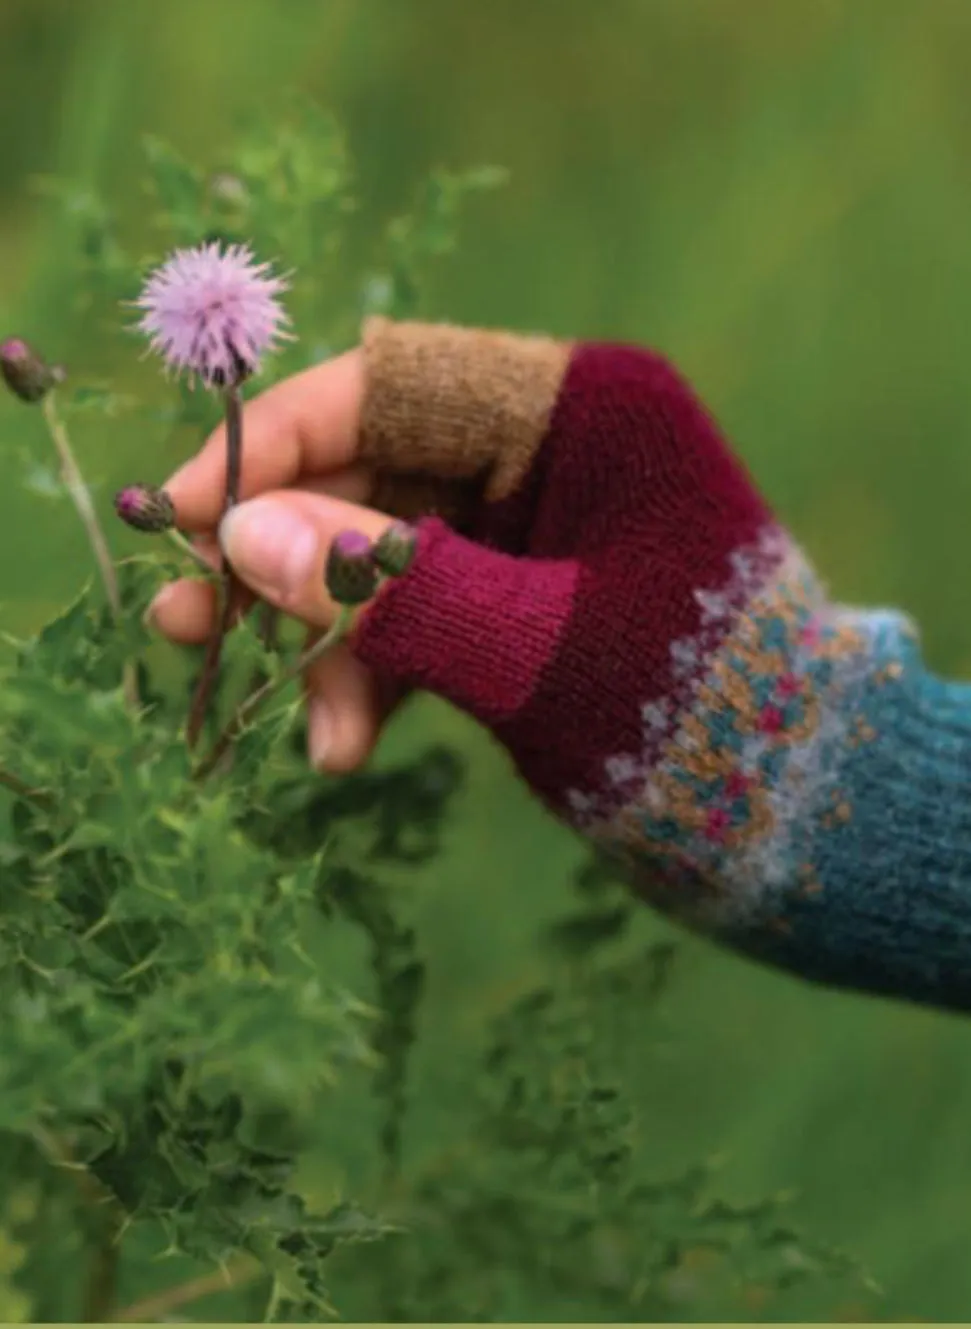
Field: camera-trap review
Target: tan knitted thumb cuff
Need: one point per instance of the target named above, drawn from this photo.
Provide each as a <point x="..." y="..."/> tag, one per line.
<point x="459" y="405"/>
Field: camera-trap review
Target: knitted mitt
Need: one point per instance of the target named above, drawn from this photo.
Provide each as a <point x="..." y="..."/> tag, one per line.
<point x="621" y="609"/>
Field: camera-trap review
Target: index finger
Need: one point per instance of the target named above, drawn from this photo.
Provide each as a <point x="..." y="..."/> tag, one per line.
<point x="305" y="426"/>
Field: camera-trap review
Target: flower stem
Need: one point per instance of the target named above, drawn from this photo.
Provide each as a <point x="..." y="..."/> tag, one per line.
<point x="23" y="790"/>
<point x="81" y="497"/>
<point x="99" y="1294"/>
<point x="108" y="1219"/>
<point x="269" y="634"/>
<point x="160" y="1305"/>
<point x="230" y="586"/>
<point x="273" y="1303"/>
<point x="255" y="700"/>
<point x="186" y="547"/>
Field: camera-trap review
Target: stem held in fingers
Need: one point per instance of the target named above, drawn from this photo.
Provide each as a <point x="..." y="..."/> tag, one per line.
<point x="230" y="587"/>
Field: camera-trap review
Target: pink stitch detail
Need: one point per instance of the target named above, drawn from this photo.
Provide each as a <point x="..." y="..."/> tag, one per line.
<point x="790" y="685"/>
<point x="737" y="784"/>
<point x="811" y="634"/>
<point x="771" y="719"/>
<point x="717" y="824"/>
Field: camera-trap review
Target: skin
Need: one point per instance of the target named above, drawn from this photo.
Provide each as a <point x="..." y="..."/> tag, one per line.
<point x="300" y="479"/>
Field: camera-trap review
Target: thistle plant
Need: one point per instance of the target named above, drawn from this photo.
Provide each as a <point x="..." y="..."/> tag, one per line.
<point x="213" y="314"/>
<point x="30" y="378"/>
<point x="211" y="973"/>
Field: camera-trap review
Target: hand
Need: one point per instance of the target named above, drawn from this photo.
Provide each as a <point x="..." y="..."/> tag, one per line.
<point x="615" y="601"/>
<point x="300" y="486"/>
<point x="593" y="501"/>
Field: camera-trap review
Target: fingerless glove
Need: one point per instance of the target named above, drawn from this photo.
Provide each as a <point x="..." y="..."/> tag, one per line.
<point x="614" y="599"/>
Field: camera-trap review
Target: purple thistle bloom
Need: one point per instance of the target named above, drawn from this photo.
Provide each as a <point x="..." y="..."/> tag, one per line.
<point x="212" y="313"/>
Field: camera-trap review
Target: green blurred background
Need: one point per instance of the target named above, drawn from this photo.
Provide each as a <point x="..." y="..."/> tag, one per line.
<point x="778" y="195"/>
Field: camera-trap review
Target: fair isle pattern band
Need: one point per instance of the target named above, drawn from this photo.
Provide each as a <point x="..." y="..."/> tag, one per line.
<point x="719" y="814"/>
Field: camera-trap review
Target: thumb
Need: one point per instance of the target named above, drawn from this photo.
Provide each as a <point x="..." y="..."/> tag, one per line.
<point x="476" y="626"/>
<point x="278" y="545"/>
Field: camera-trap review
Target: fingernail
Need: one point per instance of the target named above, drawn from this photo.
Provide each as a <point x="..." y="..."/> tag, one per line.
<point x="269" y="545"/>
<point x="320" y="730"/>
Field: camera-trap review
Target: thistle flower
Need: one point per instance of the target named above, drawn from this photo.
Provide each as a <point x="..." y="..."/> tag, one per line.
<point x="394" y="550"/>
<point x="25" y="373"/>
<point x="350" y="576"/>
<point x="145" y="508"/>
<point x="213" y="313"/>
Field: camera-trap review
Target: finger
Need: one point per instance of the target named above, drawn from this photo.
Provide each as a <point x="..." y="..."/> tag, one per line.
<point x="278" y="545"/>
<point x="185" y="611"/>
<point x="354" y="484"/>
<point x="343" y="713"/>
<point x="308" y="424"/>
<point x="208" y="550"/>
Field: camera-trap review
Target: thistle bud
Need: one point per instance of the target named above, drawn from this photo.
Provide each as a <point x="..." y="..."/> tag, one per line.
<point x="26" y="375"/>
<point x="145" y="508"/>
<point x="394" y="551"/>
<point x="350" y="576"/>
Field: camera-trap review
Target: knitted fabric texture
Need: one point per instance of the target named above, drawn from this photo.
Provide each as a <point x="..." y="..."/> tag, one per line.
<point x="625" y="613"/>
